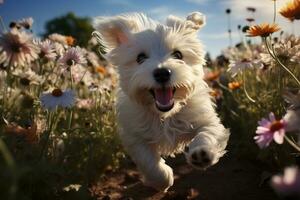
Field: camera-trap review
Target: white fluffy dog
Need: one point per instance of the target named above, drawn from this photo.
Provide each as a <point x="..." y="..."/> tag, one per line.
<point x="163" y="102"/>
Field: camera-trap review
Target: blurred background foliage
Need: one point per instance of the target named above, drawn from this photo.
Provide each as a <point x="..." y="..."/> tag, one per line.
<point x="78" y="27"/>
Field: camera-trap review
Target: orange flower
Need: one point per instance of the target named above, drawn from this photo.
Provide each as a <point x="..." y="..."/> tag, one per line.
<point x="101" y="70"/>
<point x="211" y="76"/>
<point x="70" y="40"/>
<point x="234" y="85"/>
<point x="263" y="30"/>
<point x="216" y="93"/>
<point x="291" y="10"/>
<point x="30" y="133"/>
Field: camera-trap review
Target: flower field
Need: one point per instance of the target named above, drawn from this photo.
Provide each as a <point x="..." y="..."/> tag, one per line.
<point x="57" y="114"/>
<point x="58" y="129"/>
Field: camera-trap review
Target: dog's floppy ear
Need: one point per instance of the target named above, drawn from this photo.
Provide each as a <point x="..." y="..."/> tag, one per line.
<point x="113" y="31"/>
<point x="194" y="20"/>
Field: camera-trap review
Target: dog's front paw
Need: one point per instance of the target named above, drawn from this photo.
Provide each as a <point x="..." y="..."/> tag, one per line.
<point x="201" y="157"/>
<point x="159" y="178"/>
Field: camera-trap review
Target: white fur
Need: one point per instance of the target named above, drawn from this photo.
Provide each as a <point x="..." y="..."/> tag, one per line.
<point x="147" y="133"/>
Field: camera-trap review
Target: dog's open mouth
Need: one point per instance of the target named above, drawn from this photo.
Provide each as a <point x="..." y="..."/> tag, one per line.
<point x="163" y="96"/>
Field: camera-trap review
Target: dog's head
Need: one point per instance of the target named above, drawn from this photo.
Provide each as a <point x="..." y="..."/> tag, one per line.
<point x="159" y="65"/>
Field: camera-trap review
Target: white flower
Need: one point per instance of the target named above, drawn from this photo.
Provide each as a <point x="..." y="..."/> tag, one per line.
<point x="47" y="49"/>
<point x="236" y="66"/>
<point x="286" y="49"/>
<point x="26" y="22"/>
<point x="59" y="48"/>
<point x="58" y="98"/>
<point x="267" y="59"/>
<point x="55" y="37"/>
<point x="75" y="187"/>
<point x="17" y="48"/>
<point x="28" y="77"/>
<point x="93" y="87"/>
<point x="93" y="58"/>
<point x="296" y="57"/>
<point x="79" y="73"/>
<point x="73" y="56"/>
<point x="242" y="58"/>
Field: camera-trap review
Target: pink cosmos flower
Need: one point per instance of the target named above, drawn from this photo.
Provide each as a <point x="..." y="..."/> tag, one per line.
<point x="269" y="130"/>
<point x="287" y="184"/>
<point x="17" y="48"/>
<point x="73" y="56"/>
<point x="47" y="49"/>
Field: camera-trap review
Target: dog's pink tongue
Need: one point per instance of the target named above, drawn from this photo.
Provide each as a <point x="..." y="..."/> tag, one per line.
<point x="163" y="95"/>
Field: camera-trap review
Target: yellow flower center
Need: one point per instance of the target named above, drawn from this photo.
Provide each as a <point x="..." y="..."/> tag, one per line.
<point x="57" y="92"/>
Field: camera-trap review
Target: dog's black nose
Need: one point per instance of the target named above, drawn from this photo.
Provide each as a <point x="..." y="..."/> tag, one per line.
<point x="162" y="75"/>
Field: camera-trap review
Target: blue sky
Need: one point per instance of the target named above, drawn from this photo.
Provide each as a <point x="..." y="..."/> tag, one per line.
<point x="214" y="34"/>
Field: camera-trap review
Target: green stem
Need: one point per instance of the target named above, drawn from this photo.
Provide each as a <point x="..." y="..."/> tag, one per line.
<point x="229" y="30"/>
<point x="223" y="87"/>
<point x="292" y="143"/>
<point x="12" y="166"/>
<point x="274" y="56"/>
<point x="50" y="119"/>
<point x="6" y="85"/>
<point x="71" y="77"/>
<point x="70" y="120"/>
<point x="71" y="112"/>
<point x="245" y="90"/>
<point x="280" y="74"/>
<point x="83" y="75"/>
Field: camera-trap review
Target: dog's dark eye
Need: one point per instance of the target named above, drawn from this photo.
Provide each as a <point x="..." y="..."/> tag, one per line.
<point x="141" y="58"/>
<point x="177" y="54"/>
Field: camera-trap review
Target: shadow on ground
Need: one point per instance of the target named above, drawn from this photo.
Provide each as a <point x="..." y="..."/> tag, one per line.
<point x="230" y="179"/>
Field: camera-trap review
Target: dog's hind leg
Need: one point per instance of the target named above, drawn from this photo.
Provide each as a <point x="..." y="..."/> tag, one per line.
<point x="153" y="168"/>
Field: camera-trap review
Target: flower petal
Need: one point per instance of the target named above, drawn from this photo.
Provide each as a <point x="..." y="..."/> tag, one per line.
<point x="279" y="136"/>
<point x="272" y="117"/>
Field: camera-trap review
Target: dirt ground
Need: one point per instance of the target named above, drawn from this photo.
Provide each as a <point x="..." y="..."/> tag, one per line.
<point x="230" y="179"/>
